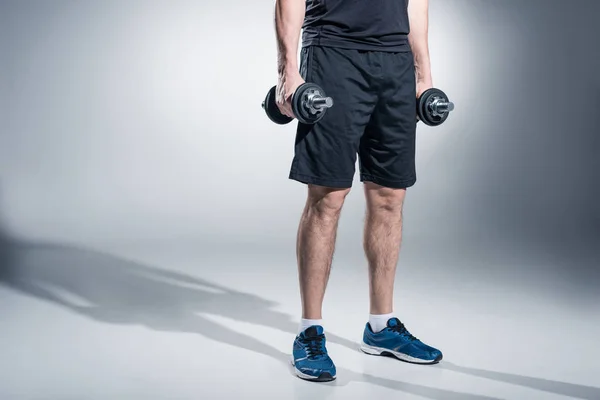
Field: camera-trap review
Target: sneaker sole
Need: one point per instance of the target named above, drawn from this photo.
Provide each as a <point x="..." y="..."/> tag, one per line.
<point x="380" y="351"/>
<point x="324" y="377"/>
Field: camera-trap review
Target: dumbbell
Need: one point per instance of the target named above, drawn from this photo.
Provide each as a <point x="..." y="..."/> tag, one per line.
<point x="309" y="104"/>
<point x="433" y="107"/>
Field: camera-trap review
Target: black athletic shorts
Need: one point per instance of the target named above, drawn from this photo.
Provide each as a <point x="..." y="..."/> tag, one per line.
<point x="373" y="115"/>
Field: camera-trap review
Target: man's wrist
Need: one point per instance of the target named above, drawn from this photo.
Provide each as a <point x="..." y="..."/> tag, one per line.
<point x="425" y="81"/>
<point x="422" y="65"/>
<point x="285" y="68"/>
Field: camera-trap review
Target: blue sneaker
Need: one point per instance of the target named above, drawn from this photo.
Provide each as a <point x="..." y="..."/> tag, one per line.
<point x="310" y="358"/>
<point x="395" y="340"/>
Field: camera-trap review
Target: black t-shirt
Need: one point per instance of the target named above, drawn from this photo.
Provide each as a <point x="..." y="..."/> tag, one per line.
<point x="357" y="24"/>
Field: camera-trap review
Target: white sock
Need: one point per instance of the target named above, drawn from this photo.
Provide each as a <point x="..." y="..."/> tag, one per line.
<point x="379" y="321"/>
<point x="306" y="323"/>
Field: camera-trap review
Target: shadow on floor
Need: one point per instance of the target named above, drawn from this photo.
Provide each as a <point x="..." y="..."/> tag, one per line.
<point x="544" y="385"/>
<point x="117" y="291"/>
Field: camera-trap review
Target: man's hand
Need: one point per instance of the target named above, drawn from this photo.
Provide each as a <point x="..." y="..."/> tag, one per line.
<point x="286" y="86"/>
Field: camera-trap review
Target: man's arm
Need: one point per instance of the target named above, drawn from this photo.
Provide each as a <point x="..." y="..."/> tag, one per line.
<point x="418" y="38"/>
<point x="289" y="16"/>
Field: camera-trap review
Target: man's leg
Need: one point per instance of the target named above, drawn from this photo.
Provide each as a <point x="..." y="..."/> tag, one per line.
<point x="382" y="238"/>
<point x="314" y="249"/>
<point x="315" y="245"/>
<point x="384" y="333"/>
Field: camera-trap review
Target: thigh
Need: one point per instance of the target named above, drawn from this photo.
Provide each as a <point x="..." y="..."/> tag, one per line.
<point x="325" y="152"/>
<point x="387" y="149"/>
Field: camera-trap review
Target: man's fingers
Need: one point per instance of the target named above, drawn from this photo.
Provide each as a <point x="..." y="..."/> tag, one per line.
<point x="290" y="112"/>
<point x="286" y="109"/>
<point x="282" y="109"/>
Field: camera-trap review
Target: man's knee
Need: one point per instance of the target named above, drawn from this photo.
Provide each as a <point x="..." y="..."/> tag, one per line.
<point x="384" y="199"/>
<point x="325" y="200"/>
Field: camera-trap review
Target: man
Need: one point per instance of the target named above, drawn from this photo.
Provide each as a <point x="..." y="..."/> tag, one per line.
<point x="363" y="54"/>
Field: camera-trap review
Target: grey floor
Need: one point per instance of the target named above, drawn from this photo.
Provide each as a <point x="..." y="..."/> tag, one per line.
<point x="182" y="322"/>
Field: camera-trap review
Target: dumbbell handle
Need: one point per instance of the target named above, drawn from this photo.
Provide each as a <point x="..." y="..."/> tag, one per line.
<point x="439" y="107"/>
<point x="319" y="102"/>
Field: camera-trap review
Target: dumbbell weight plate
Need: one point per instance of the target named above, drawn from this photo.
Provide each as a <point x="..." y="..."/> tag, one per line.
<point x="303" y="113"/>
<point x="423" y="110"/>
<point x="270" y="107"/>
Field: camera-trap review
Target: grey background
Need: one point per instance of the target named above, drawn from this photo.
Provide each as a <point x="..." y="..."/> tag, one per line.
<point x="139" y="122"/>
<point x="141" y="185"/>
